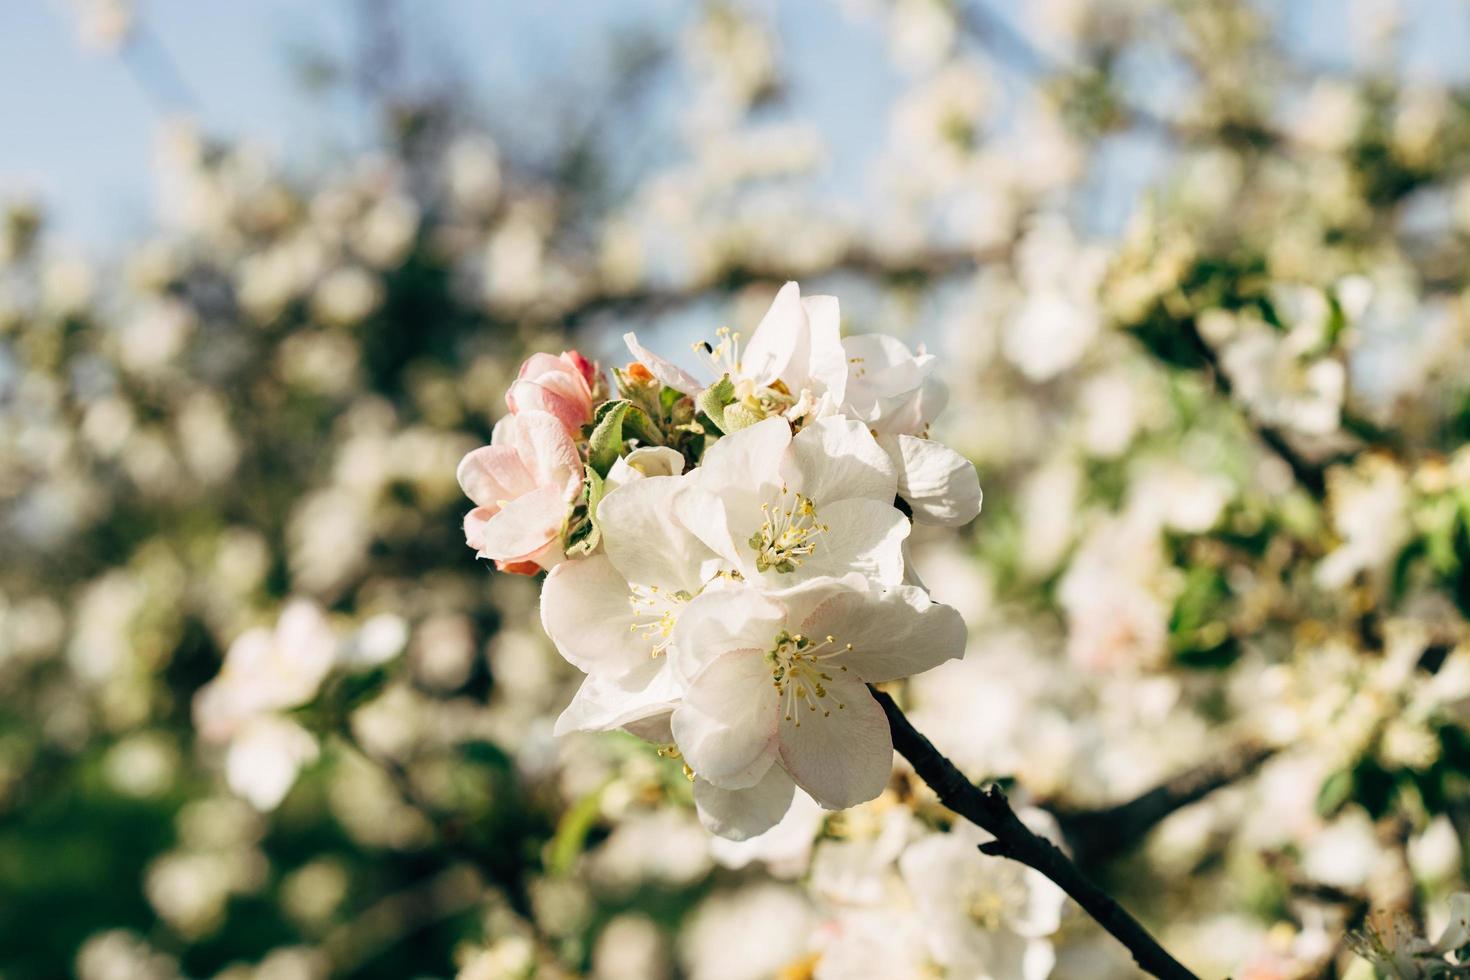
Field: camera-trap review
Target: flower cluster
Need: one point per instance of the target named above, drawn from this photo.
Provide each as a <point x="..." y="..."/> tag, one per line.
<point x="726" y="556"/>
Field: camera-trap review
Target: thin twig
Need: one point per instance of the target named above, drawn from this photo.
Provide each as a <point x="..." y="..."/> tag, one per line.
<point x="1095" y="836"/>
<point x="989" y="810"/>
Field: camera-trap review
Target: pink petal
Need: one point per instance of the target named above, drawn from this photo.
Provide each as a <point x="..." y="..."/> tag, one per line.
<point x="493" y="473"/>
<point x="525" y="526"/>
<point x="547" y="451"/>
<point x="533" y="396"/>
<point x="474" y="527"/>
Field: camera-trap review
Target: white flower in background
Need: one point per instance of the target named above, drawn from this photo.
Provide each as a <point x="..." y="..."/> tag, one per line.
<point x="784" y="509"/>
<point x="893" y="391"/>
<point x="1286" y="379"/>
<point x="1369" y="504"/>
<point x="268" y="670"/>
<point x="984" y="918"/>
<point x="785" y="849"/>
<point x="1058" y="318"/>
<point x="265" y="757"/>
<point x="793" y="358"/>
<point x="753" y="933"/>
<point x="613" y="615"/>
<point x="1117" y="597"/>
<point x="777" y="692"/>
<point x="873" y="944"/>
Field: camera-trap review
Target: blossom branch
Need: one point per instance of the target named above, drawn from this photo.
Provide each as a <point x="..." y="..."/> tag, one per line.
<point x="1096" y="836"/>
<point x="988" y="809"/>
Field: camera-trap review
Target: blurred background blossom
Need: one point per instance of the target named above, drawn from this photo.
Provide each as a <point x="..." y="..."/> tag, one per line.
<point x="1195" y="276"/>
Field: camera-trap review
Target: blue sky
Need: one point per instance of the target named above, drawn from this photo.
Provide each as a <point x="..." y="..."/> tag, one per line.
<point x="77" y="127"/>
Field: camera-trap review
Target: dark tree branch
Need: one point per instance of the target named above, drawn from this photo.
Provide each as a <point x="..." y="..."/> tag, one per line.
<point x="1096" y="836"/>
<point x="989" y="810"/>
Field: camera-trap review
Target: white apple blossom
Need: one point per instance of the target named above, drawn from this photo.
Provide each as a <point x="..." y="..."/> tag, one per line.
<point x="784" y="509"/>
<point x="777" y="692"/>
<point x="893" y="391"/>
<point x="613" y="615"/>
<point x="793" y="358"/>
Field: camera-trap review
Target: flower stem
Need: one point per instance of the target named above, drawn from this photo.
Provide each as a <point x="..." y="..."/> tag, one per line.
<point x="989" y="810"/>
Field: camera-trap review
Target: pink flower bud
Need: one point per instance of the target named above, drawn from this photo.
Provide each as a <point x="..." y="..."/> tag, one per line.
<point x="561" y="386"/>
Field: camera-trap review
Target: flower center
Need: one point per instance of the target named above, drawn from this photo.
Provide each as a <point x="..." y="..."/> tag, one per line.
<point x="787" y="534"/>
<point x="657" y="610"/>
<point x="798" y="673"/>
<point x="989" y="902"/>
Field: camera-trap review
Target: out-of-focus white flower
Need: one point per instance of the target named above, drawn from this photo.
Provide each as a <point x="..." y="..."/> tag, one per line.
<point x="472" y="173"/>
<point x="630" y="947"/>
<point x="268" y="670"/>
<point x="1116" y="596"/>
<point x="777" y="692"/>
<point x="264" y="758"/>
<point x="1330" y="115"/>
<point x="121" y="955"/>
<point x="1344" y="853"/>
<point x="716" y="944"/>
<point x="386" y="232"/>
<point x="1286" y="380"/>
<point x="104" y="25"/>
<point x="347" y="295"/>
<point x="659" y="847"/>
<point x="1369" y="506"/>
<point x="1058" y="317"/>
<point x="984" y="918"/>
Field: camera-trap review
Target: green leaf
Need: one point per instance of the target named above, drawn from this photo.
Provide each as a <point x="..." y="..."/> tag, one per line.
<point x="712" y="401"/>
<point x="587" y="535"/>
<point x="606" y="444"/>
<point x="1335" y="792"/>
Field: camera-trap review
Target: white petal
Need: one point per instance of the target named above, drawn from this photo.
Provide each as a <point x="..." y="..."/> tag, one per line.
<point x="666" y="371"/>
<point x="838" y="458"/>
<point x="863" y="535"/>
<point x="263" y="761"/>
<point x="746" y="460"/>
<point x="641" y="462"/>
<point x="894" y="633"/>
<point x="726" y="724"/>
<point x="780" y="339"/>
<point x="586" y="610"/>
<point x="741" y="814"/>
<point x="721" y="620"/>
<point x="645" y="542"/>
<point x="940" y="485"/>
<point x="844" y="758"/>
<point x="827" y="365"/>
<point x="631" y="701"/>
